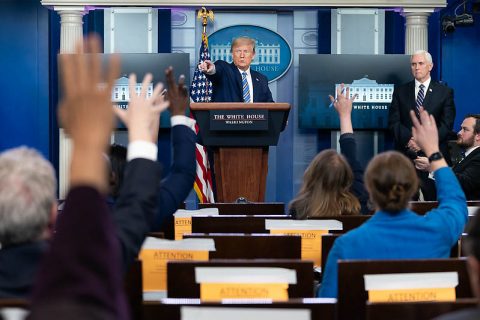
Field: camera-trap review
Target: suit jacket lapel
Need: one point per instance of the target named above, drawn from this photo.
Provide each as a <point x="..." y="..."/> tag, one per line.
<point x="464" y="162"/>
<point x="411" y="96"/>
<point x="256" y="83"/>
<point x="238" y="78"/>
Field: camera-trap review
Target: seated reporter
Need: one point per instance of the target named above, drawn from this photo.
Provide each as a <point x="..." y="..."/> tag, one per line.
<point x="28" y="212"/>
<point x="333" y="183"/>
<point x="395" y="232"/>
<point x="467" y="169"/>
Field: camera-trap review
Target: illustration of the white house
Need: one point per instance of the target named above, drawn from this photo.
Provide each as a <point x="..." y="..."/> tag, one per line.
<point x="369" y="91"/>
<point x="264" y="53"/>
<point x="121" y="93"/>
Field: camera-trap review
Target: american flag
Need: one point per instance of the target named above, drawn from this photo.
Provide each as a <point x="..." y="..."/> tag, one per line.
<point x="201" y="91"/>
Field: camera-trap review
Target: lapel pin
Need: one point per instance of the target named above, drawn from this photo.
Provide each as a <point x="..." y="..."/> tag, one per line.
<point x="257" y="79"/>
<point x="429" y="90"/>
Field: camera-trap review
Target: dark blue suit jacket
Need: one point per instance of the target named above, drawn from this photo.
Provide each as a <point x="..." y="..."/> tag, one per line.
<point x="18" y="267"/>
<point x="468" y="174"/>
<point x="348" y="146"/>
<point x="179" y="182"/>
<point x="227" y="84"/>
<point x="136" y="206"/>
<point x="438" y="102"/>
<point x="145" y="204"/>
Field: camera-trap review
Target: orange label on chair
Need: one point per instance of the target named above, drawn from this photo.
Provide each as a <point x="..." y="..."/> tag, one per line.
<point x="219" y="291"/>
<point x="311" y="243"/>
<point x="182" y="225"/>
<point x="406" y="295"/>
<point x="154" y="265"/>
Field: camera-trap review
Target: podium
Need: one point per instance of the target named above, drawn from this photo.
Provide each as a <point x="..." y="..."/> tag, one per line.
<point x="239" y="135"/>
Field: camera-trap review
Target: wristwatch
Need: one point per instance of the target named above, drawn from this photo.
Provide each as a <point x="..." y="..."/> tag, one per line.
<point x="435" y="156"/>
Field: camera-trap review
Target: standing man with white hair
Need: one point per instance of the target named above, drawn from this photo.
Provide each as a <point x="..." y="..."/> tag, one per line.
<point x="436" y="98"/>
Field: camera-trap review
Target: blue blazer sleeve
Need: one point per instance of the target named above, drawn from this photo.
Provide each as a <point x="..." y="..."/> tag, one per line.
<point x="399" y="121"/>
<point x="452" y="209"/>
<point x="179" y="182"/>
<point x="348" y="147"/>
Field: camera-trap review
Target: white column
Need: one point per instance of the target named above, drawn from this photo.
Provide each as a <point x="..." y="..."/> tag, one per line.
<point x="71" y="31"/>
<point x="416" y="29"/>
<point x="71" y="27"/>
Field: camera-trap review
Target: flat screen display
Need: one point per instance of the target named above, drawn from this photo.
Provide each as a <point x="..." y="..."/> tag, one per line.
<point x="371" y="77"/>
<point x="140" y="64"/>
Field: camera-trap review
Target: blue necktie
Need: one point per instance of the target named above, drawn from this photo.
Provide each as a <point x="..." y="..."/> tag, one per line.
<point x="420" y="97"/>
<point x="246" y="89"/>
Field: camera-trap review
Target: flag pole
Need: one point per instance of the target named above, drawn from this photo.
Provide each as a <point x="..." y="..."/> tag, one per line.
<point x="200" y="91"/>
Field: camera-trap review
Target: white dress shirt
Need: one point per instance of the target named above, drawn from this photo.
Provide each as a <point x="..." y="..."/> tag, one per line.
<point x="149" y="150"/>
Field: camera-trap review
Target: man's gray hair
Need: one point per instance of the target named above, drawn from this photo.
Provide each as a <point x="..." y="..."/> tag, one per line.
<point x="427" y="55"/>
<point x="27" y="192"/>
<point x="238" y="40"/>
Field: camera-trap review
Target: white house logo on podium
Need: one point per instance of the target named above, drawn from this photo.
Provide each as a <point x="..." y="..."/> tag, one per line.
<point x="273" y="55"/>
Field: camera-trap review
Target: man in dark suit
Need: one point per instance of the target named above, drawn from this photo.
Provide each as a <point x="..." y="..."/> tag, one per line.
<point x="436" y="98"/>
<point x="236" y="81"/>
<point x="468" y="169"/>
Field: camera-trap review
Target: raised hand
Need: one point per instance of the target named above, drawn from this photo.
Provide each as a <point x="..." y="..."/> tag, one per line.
<point x="343" y="106"/>
<point x="85" y="110"/>
<point x="343" y="103"/>
<point x="177" y="94"/>
<point x="142" y="117"/>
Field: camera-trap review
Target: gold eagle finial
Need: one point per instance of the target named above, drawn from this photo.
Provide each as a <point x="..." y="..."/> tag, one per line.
<point x="205" y="14"/>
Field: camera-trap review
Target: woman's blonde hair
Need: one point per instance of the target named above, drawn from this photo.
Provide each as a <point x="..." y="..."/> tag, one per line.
<point x="325" y="190"/>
